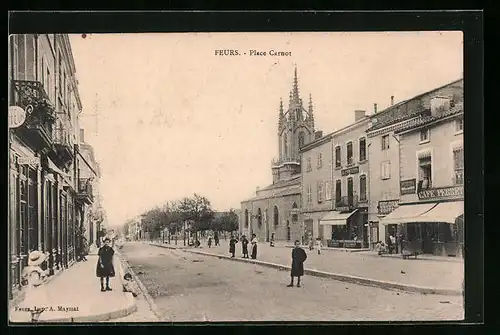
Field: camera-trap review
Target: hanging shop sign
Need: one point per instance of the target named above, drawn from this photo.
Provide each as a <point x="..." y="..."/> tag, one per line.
<point x="387" y="206"/>
<point x="408" y="186"/>
<point x="442" y="193"/>
<point x="17" y="116"/>
<point x="349" y="171"/>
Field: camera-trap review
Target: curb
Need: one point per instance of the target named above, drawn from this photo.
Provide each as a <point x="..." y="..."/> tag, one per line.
<point x="334" y="249"/>
<point x="143" y="288"/>
<point x="340" y="277"/>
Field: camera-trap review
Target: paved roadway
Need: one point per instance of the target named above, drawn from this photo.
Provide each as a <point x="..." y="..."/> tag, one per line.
<point x="189" y="287"/>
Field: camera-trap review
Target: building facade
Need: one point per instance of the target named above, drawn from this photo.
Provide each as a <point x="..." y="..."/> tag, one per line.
<point x="387" y="184"/>
<point x="274" y="211"/>
<point x="43" y="169"/>
<point x="317" y="193"/>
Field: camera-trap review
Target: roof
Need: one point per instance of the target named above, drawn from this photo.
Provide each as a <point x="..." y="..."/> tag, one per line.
<point x="426" y="119"/>
<point x="282" y="183"/>
<point x="283" y="188"/>
<point x="403" y="116"/>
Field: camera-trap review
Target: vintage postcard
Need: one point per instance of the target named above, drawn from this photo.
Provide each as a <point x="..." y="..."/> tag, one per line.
<point x="218" y="177"/>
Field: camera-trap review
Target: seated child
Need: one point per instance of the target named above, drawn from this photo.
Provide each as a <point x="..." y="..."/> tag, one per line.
<point x="129" y="285"/>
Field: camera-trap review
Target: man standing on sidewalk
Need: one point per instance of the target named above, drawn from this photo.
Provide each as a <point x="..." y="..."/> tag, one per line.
<point x="299" y="256"/>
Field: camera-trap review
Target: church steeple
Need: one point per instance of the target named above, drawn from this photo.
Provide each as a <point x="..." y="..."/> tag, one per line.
<point x="310" y="117"/>
<point x="281" y="117"/>
<point x="295" y="89"/>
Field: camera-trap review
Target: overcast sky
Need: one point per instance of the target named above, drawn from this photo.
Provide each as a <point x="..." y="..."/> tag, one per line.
<point x="174" y="118"/>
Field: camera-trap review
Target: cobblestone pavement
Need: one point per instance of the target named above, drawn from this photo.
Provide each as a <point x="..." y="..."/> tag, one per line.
<point x="190" y="287"/>
<point x="427" y="273"/>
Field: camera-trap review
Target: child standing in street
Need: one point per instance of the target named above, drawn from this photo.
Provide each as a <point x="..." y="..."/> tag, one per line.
<point x="105" y="268"/>
<point x="319" y="245"/>
<point x="299" y="256"/>
<point x="210" y="241"/>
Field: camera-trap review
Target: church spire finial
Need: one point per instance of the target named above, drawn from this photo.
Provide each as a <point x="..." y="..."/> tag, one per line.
<point x="296" y="87"/>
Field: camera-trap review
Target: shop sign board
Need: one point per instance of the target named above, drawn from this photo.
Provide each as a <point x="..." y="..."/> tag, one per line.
<point x="408" y="186"/>
<point x="349" y="171"/>
<point x="387" y="206"/>
<point x="442" y="193"/>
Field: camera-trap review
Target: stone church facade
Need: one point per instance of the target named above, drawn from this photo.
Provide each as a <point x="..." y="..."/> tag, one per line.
<point x="275" y="209"/>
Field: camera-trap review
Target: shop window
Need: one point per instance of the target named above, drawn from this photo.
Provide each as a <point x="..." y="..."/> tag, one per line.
<point x="349" y="153"/>
<point x="458" y="162"/>
<point x="338" y="158"/>
<point x="32" y="211"/>
<point x="338" y="190"/>
<point x="385" y="142"/>
<point x="385" y="168"/>
<point x="362" y="149"/>
<point x="362" y="188"/>
<point x="424" y="136"/>
<point x="425" y="172"/>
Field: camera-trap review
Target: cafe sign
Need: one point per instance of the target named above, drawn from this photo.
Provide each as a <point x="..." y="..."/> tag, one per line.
<point x="387" y="206"/>
<point x="442" y="193"/>
<point x="408" y="186"/>
<point x="349" y="171"/>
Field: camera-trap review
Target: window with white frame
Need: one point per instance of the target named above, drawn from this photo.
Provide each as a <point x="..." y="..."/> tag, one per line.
<point x="320" y="191"/>
<point x="349" y="153"/>
<point x="385" y="169"/>
<point x="362" y="149"/>
<point x="362" y="188"/>
<point x="459" y="125"/>
<point x="385" y="142"/>
<point x="458" y="163"/>
<point x="425" y="172"/>
<point x="338" y="158"/>
<point x="309" y="194"/>
<point x="424" y="135"/>
<point x="320" y="160"/>
<point x="309" y="168"/>
<point x="328" y="190"/>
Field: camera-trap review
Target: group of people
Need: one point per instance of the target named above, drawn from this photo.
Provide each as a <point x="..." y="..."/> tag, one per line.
<point x="216" y="240"/>
<point x="390" y="245"/>
<point x="244" y="246"/>
<point x="318" y="243"/>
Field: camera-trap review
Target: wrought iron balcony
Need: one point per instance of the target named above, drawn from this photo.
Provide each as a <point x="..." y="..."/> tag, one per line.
<point x="85" y="193"/>
<point x="63" y="143"/>
<point x="346" y="203"/>
<point x="285" y="160"/>
<point x="40" y="118"/>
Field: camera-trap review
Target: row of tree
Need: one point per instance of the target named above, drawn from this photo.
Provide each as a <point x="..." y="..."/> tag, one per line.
<point x="194" y="214"/>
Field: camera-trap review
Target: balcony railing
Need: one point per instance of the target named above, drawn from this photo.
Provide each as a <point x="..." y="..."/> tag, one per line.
<point x="85" y="192"/>
<point x="347" y="202"/>
<point x="284" y="160"/>
<point x="41" y="113"/>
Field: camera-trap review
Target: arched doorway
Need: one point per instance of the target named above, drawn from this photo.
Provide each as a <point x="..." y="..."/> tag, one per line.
<point x="288" y="233"/>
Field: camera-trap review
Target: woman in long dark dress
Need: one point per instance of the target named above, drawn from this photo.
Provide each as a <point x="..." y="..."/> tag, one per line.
<point x="254" y="246"/>
<point x="105" y="268"/>
<point x="244" y="246"/>
<point x="232" y="246"/>
<point x="299" y="256"/>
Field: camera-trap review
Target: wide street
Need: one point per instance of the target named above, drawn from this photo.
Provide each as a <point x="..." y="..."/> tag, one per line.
<point x="190" y="287"/>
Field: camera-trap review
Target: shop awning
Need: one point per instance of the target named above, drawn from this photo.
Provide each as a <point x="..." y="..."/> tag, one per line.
<point x="57" y="170"/>
<point x="446" y="212"/>
<point x="336" y="218"/>
<point x="407" y="213"/>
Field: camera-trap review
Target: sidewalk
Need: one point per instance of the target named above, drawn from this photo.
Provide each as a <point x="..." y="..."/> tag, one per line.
<point x="75" y="296"/>
<point x="427" y="274"/>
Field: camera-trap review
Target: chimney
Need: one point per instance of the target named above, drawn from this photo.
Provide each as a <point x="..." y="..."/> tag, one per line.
<point x="318" y="134"/>
<point x="358" y="115"/>
<point x="375" y="108"/>
<point x="392" y="100"/>
<point x="439" y="105"/>
<point x="82" y="135"/>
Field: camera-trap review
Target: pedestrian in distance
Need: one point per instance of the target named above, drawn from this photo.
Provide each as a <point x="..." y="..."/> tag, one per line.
<point x="319" y="245"/>
<point x="216" y="239"/>
<point x="232" y="246"/>
<point x="299" y="256"/>
<point x="210" y="241"/>
<point x="254" y="246"/>
<point x="311" y="245"/>
<point x="105" y="268"/>
<point x="271" y="243"/>
<point x="244" y="246"/>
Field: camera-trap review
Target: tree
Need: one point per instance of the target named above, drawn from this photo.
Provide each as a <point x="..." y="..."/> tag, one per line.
<point x="229" y="221"/>
<point x="197" y="211"/>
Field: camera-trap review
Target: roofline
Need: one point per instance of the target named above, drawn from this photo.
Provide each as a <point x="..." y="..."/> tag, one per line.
<point x="317" y="142"/>
<point x="352" y="125"/>
<point x="416" y="97"/>
<point x="429" y="123"/>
